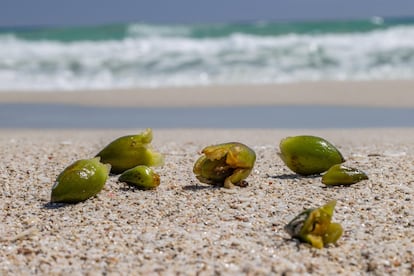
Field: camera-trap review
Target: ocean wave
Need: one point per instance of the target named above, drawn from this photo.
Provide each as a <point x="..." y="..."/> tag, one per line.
<point x="147" y="30"/>
<point x="151" y="56"/>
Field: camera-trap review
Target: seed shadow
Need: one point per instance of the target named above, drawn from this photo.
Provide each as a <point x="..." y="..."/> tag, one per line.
<point x="125" y="187"/>
<point x="338" y="186"/>
<point x="292" y="176"/>
<point x="196" y="187"/>
<point x="53" y="206"/>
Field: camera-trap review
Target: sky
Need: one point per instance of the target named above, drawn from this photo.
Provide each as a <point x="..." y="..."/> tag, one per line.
<point x="92" y="12"/>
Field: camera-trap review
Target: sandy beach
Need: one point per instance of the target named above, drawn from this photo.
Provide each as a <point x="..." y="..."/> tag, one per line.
<point x="331" y="93"/>
<point x="188" y="228"/>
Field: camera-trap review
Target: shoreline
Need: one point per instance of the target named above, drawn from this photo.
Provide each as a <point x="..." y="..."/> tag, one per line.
<point x="188" y="227"/>
<point x="381" y="93"/>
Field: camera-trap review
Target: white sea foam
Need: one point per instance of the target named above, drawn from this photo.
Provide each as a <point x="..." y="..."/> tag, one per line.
<point x="170" y="59"/>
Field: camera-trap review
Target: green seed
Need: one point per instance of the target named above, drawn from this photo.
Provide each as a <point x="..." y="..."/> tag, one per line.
<point x="80" y="181"/>
<point x="342" y="175"/>
<point x="314" y="226"/>
<point x="129" y="151"/>
<point x="142" y="177"/>
<point x="225" y="164"/>
<point x="307" y="155"/>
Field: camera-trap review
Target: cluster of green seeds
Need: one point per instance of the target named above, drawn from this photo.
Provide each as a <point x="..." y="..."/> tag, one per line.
<point x="130" y="156"/>
<point x="311" y="155"/>
<point x="227" y="165"/>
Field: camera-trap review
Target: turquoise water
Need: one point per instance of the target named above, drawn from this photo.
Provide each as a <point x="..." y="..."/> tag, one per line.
<point x="145" y="55"/>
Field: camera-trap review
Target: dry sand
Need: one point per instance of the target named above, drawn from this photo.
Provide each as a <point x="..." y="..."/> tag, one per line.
<point x="189" y="228"/>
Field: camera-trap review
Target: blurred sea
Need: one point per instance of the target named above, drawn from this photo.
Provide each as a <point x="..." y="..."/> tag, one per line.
<point x="145" y="55"/>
